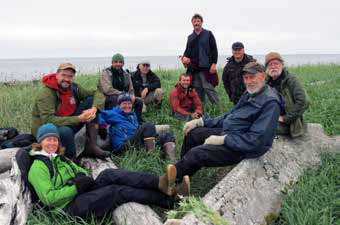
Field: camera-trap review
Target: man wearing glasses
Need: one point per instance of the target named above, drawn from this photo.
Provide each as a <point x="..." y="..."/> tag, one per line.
<point x="115" y="81"/>
<point x="147" y="84"/>
<point x="68" y="106"/>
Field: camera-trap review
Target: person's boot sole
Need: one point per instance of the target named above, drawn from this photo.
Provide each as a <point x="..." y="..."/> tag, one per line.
<point x="171" y="177"/>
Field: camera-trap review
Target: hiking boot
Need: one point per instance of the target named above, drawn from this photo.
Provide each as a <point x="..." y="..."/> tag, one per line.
<point x="161" y="129"/>
<point x="167" y="181"/>
<point x="183" y="189"/>
<point x="170" y="151"/>
<point x="91" y="148"/>
<point x="150" y="144"/>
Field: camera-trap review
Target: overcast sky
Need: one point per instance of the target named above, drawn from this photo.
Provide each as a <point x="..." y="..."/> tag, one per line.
<point x="66" y="28"/>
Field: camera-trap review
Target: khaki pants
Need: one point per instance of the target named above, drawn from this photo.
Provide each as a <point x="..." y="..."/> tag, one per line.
<point x="155" y="95"/>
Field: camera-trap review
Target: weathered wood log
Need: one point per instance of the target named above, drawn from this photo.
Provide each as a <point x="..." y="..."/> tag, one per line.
<point x="15" y="198"/>
<point x="129" y="213"/>
<point x="252" y="192"/>
<point x="6" y="156"/>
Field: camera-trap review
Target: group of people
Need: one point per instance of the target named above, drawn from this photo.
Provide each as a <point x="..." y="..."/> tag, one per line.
<point x="264" y="106"/>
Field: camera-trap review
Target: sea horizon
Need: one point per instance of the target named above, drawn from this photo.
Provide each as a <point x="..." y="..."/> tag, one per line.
<point x="35" y="68"/>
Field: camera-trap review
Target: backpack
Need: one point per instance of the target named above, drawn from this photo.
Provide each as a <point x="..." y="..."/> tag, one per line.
<point x="20" y="140"/>
<point x="25" y="161"/>
<point x="7" y="133"/>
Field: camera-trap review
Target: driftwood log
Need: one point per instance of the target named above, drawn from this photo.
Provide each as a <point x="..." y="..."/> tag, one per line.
<point x="6" y="156"/>
<point x="129" y="213"/>
<point x="252" y="192"/>
<point x="15" y="198"/>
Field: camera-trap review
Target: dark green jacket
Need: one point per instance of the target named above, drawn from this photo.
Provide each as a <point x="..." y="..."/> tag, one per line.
<point x="47" y="103"/>
<point x="296" y="102"/>
<point x="54" y="192"/>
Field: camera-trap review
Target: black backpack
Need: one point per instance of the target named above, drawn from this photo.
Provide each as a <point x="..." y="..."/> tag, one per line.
<point x="25" y="161"/>
<point x="7" y="133"/>
<point x="20" y="140"/>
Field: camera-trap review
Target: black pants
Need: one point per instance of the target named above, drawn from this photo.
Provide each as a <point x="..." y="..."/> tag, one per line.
<point x="115" y="187"/>
<point x="197" y="137"/>
<point x="204" y="155"/>
<point x="144" y="131"/>
<point x="112" y="101"/>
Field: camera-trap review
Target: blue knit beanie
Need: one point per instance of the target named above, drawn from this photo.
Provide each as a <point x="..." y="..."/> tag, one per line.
<point x="47" y="130"/>
<point x="123" y="98"/>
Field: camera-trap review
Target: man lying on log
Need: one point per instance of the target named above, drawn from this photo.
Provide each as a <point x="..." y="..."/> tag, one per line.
<point x="71" y="188"/>
<point x="247" y="131"/>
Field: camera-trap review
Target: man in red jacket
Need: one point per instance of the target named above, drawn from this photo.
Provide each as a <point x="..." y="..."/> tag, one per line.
<point x="185" y="102"/>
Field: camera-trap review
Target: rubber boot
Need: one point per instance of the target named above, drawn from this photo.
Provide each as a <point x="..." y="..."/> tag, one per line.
<point x="91" y="148"/>
<point x="167" y="181"/>
<point x="150" y="144"/>
<point x="170" y="151"/>
<point x="183" y="189"/>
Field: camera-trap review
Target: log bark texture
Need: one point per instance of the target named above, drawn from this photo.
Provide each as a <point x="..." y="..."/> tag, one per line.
<point x="6" y="156"/>
<point x="15" y="198"/>
<point x="252" y="192"/>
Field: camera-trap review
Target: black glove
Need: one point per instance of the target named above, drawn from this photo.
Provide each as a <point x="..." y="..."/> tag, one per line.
<point x="83" y="183"/>
<point x="102" y="132"/>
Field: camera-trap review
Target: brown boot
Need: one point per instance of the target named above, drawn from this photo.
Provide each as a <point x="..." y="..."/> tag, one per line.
<point x="170" y="151"/>
<point x="183" y="189"/>
<point x="150" y="144"/>
<point x="167" y="181"/>
<point x="91" y="148"/>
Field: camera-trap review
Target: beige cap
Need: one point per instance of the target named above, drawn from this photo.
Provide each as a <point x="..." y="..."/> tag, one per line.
<point x="65" y="66"/>
<point x="273" y="55"/>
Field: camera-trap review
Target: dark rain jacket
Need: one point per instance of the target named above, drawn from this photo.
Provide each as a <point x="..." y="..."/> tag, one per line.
<point x="48" y="101"/>
<point x="250" y="126"/>
<point x="232" y="77"/>
<point x="152" y="80"/>
<point x="296" y="100"/>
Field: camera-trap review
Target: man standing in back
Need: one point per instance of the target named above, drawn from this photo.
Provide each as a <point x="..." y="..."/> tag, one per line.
<point x="200" y="57"/>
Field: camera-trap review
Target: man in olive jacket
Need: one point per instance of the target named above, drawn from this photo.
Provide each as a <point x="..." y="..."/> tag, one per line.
<point x="232" y="72"/>
<point x="295" y="96"/>
<point x="68" y="106"/>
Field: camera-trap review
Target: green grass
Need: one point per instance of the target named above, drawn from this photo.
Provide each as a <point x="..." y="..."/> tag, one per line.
<point x="322" y="83"/>
<point x="315" y="199"/>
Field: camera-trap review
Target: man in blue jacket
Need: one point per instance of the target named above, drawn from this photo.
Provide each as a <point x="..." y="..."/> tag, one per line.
<point x="247" y="131"/>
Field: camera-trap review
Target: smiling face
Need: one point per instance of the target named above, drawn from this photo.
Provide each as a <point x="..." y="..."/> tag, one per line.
<point x="50" y="144"/>
<point x="238" y="54"/>
<point x="185" y="81"/>
<point x="126" y="106"/>
<point x="117" y="64"/>
<point x="144" y="68"/>
<point x="274" y="68"/>
<point x="254" y="83"/>
<point x="197" y="24"/>
<point x="65" y="78"/>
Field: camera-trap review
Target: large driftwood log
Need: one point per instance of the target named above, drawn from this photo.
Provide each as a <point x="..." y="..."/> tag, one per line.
<point x="15" y="198"/>
<point x="130" y="213"/>
<point x="252" y="192"/>
<point x="6" y="156"/>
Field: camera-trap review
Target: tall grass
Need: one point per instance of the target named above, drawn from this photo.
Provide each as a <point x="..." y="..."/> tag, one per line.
<point x="322" y="83"/>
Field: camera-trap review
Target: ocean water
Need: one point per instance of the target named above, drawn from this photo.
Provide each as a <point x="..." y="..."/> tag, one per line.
<point x="28" y="69"/>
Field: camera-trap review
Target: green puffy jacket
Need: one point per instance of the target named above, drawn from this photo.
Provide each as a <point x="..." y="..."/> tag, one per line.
<point x="296" y="102"/>
<point x="47" y="103"/>
<point x="54" y="192"/>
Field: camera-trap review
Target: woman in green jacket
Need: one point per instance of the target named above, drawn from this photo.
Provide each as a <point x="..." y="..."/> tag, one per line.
<point x="74" y="190"/>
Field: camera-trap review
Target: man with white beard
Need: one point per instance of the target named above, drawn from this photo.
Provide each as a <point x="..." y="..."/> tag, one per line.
<point x="247" y="131"/>
<point x="296" y="100"/>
